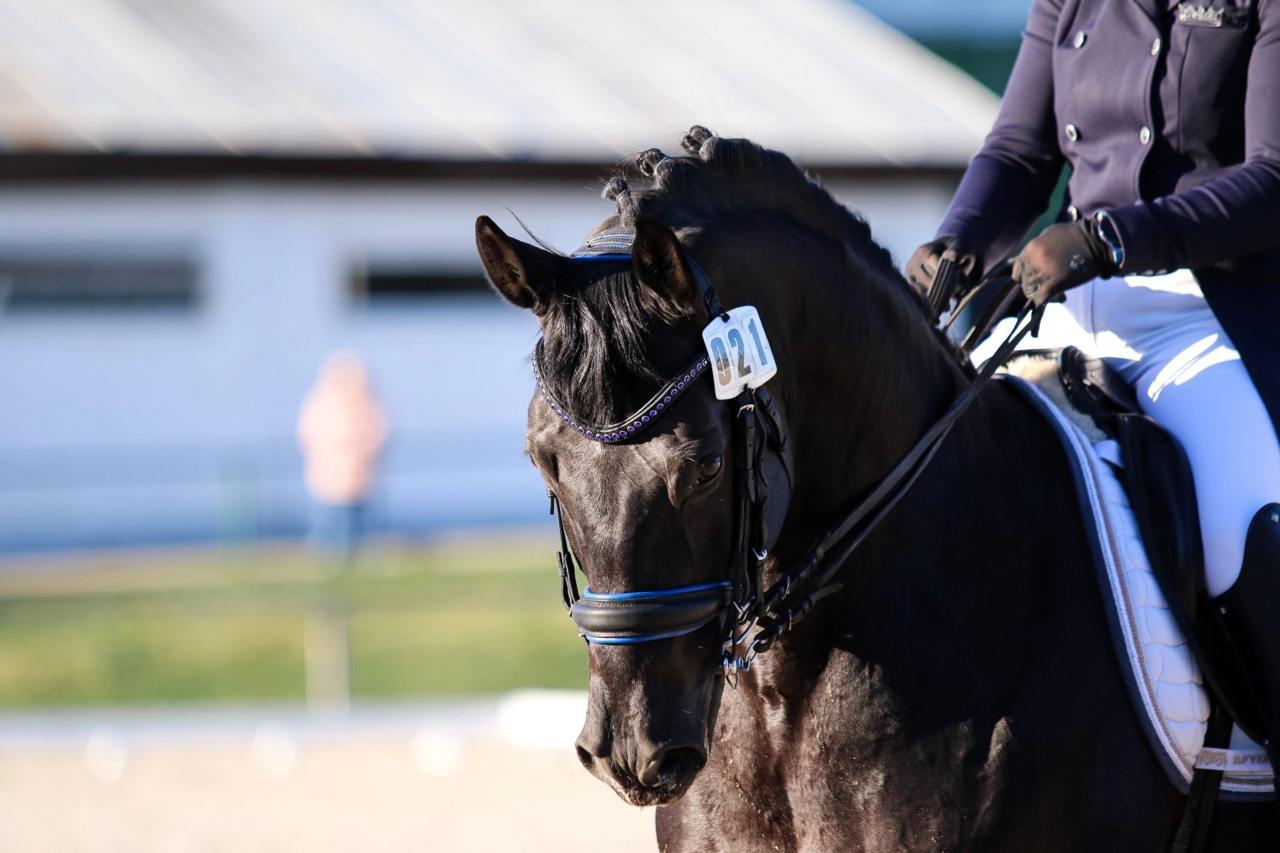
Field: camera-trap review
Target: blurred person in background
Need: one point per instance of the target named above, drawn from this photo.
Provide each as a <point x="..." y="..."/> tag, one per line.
<point x="1166" y="252"/>
<point x="341" y="430"/>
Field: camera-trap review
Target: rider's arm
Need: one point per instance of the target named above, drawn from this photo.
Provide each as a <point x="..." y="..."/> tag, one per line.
<point x="1009" y="182"/>
<point x="1236" y="213"/>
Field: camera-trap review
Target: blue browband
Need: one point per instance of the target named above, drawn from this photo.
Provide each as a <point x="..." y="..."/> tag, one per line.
<point x="617" y="257"/>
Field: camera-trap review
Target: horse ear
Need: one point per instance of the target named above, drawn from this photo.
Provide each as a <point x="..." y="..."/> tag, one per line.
<point x="660" y="265"/>
<point x="524" y="275"/>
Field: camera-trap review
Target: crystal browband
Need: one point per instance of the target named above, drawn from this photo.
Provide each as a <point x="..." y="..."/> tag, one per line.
<point x="640" y="419"/>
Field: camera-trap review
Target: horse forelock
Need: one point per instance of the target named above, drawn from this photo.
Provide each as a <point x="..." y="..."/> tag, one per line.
<point x="596" y="353"/>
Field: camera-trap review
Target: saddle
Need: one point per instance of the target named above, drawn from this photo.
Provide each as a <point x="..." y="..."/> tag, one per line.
<point x="1161" y="490"/>
<point x="1156" y="477"/>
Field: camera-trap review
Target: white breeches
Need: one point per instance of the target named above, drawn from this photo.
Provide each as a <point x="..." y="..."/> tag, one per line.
<point x="1160" y="334"/>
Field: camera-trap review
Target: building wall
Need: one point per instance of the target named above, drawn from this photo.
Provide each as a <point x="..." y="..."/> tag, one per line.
<point x="129" y="427"/>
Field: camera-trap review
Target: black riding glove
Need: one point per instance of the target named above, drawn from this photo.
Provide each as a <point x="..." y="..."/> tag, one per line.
<point x="1064" y="256"/>
<point x="923" y="265"/>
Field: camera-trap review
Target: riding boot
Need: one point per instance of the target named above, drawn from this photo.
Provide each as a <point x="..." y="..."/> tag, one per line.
<point x="1250" y="616"/>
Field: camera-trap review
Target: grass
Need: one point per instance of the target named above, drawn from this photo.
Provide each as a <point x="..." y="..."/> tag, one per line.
<point x="216" y="627"/>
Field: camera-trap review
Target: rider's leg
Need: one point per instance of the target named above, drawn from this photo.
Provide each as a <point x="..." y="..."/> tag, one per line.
<point x="1249" y="612"/>
<point x="1163" y="338"/>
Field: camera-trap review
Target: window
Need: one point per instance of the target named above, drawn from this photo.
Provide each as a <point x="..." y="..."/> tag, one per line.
<point x="385" y="283"/>
<point x="55" y="282"/>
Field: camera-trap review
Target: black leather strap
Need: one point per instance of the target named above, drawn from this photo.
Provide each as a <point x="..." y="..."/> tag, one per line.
<point x="568" y="571"/>
<point x="1197" y="815"/>
<point x="814" y="578"/>
<point x="944" y="284"/>
<point x="995" y="298"/>
<point x="648" y="615"/>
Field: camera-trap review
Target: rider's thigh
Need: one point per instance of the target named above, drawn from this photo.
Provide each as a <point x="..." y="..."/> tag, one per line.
<point x="1208" y="402"/>
<point x="1190" y="379"/>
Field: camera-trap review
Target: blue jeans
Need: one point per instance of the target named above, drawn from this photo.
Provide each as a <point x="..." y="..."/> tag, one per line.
<point x="337" y="529"/>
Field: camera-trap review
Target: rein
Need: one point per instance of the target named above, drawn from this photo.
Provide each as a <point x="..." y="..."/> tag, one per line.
<point x="630" y="618"/>
<point x="819" y="566"/>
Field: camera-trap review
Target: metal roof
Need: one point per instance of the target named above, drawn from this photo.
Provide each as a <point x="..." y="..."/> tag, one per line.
<point x="475" y="80"/>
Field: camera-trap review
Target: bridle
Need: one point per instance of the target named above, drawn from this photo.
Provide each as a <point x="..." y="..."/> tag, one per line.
<point x="764" y="460"/>
<point x="750" y="618"/>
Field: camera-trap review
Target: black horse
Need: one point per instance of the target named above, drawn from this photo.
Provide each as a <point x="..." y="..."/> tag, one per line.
<point x="959" y="690"/>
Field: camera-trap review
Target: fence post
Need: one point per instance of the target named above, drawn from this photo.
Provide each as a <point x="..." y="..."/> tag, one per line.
<point x="327" y="654"/>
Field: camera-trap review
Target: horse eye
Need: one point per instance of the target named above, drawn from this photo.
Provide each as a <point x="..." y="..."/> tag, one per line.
<point x="708" y="468"/>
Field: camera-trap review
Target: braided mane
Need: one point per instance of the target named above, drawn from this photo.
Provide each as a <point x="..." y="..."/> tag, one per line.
<point x="725" y="176"/>
<point x="596" y="356"/>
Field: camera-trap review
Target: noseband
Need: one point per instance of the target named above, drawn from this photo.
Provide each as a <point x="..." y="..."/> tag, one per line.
<point x="765" y="461"/>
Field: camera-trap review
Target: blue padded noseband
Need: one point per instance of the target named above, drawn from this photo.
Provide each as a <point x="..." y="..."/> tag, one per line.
<point x="630" y="618"/>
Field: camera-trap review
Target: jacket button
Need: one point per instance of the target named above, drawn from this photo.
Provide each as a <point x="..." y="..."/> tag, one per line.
<point x="1155" y="47"/>
<point x="1073" y="213"/>
<point x="1073" y="133"/>
<point x="1081" y="38"/>
<point x="1144" y="135"/>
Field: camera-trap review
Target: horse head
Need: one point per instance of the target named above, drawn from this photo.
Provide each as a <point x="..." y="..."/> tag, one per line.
<point x="664" y="502"/>
<point x="650" y="513"/>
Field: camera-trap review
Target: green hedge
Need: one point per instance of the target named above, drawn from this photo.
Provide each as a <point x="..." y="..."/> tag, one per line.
<point x="207" y="628"/>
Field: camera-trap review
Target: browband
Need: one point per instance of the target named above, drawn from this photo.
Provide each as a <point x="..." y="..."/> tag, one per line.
<point x="638" y="420"/>
<point x="614" y="245"/>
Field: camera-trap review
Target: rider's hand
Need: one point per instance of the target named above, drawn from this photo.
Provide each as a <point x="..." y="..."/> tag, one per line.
<point x="1064" y="256"/>
<point x="924" y="263"/>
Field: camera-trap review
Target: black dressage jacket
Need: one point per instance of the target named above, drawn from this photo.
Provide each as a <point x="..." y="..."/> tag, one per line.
<point x="1168" y="114"/>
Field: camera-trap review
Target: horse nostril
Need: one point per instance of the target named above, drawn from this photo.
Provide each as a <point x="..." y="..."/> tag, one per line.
<point x="585" y="757"/>
<point x="673" y="765"/>
<point x="683" y="762"/>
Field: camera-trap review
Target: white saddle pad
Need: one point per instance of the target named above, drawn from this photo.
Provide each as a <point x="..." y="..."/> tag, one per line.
<point x="1164" y="680"/>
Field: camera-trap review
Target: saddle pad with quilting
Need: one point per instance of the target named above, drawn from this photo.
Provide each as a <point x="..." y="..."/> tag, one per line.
<point x="1162" y="676"/>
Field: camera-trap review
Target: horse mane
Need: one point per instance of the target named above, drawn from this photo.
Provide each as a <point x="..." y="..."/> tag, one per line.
<point x="727" y="176"/>
<point x="596" y="332"/>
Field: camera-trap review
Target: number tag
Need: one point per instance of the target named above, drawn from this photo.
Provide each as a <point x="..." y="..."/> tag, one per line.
<point x="739" y="352"/>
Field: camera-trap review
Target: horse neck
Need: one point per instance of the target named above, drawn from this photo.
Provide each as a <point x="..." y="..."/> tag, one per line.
<point x="868" y="380"/>
<point x="871" y="377"/>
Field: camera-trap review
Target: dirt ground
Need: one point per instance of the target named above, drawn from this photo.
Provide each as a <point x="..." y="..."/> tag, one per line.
<point x="482" y="776"/>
